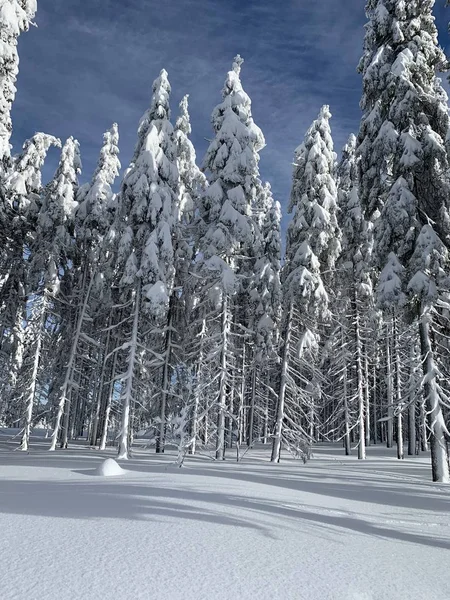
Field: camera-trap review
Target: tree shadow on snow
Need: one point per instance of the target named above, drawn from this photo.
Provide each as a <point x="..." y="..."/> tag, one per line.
<point x="127" y="500"/>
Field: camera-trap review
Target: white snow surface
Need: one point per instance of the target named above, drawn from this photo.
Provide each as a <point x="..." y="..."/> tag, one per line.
<point x="335" y="528"/>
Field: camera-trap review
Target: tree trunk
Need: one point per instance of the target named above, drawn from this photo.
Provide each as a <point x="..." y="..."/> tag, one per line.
<point x="359" y="382"/>
<point x="389" y="393"/>
<point x="412" y="404"/>
<point x="128" y="392"/>
<point x="366" y="397"/>
<point x="398" y="391"/>
<point x="251" y="414"/>
<point x="374" y="403"/>
<point x="64" y="399"/>
<point x="31" y="392"/>
<point x="277" y="440"/>
<point x="98" y="403"/>
<point x="160" y="440"/>
<point x="108" y="406"/>
<point x="220" y="442"/>
<point x="438" y="442"/>
<point x="347" y="444"/>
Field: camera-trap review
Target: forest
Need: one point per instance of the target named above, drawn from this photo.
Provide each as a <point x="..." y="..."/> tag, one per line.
<point x="165" y="301"/>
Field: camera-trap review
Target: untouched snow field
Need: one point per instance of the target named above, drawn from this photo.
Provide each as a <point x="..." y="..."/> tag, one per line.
<point x="335" y="528"/>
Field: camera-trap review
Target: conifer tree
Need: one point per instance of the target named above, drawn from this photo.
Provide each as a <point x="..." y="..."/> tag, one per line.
<point x="148" y="203"/>
<point x="265" y="307"/>
<point x="231" y="163"/>
<point x="404" y="169"/>
<point x="52" y="249"/>
<point x="23" y="188"/>
<point x="92" y="223"/>
<point x="313" y="245"/>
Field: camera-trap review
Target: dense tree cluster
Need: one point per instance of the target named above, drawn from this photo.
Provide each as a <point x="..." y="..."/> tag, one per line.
<point x="165" y="309"/>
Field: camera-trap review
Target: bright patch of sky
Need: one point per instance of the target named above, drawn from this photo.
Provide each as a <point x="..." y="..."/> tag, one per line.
<point x="90" y="63"/>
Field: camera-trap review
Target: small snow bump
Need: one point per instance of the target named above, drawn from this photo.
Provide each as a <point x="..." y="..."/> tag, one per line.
<point x="109" y="468"/>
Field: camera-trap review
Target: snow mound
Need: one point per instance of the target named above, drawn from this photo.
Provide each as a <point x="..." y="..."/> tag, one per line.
<point x="109" y="468"/>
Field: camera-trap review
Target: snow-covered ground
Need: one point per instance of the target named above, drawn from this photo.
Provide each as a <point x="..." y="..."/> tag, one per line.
<point x="333" y="529"/>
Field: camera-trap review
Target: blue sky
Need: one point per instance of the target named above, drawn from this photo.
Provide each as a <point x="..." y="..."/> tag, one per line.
<point x="92" y="62"/>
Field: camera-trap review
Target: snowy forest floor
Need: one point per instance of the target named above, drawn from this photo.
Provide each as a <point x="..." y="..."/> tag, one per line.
<point x="335" y="528"/>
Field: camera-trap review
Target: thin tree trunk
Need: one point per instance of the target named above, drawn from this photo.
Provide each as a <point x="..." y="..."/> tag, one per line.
<point x="108" y="406"/>
<point x="374" y="403"/>
<point x="389" y="393"/>
<point x="160" y="440"/>
<point x="438" y="442"/>
<point x="347" y="444"/>
<point x="359" y="382"/>
<point x="195" y="409"/>
<point x="98" y="404"/>
<point x="277" y="440"/>
<point x="30" y="398"/>
<point x="398" y="391"/>
<point x="412" y="404"/>
<point x="366" y="397"/>
<point x="129" y="378"/>
<point x="220" y="442"/>
<point x="64" y="399"/>
<point x="251" y="415"/>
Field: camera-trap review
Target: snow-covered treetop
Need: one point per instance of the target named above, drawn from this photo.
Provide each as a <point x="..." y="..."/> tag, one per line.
<point x="265" y="296"/>
<point x="192" y="180"/>
<point x="314" y="196"/>
<point x="313" y="237"/>
<point x="59" y="199"/>
<point x="24" y="182"/>
<point x="183" y="122"/>
<point x="356" y="232"/>
<point x="405" y="123"/>
<point x="231" y="163"/>
<point x="93" y="216"/>
<point x="15" y="17"/>
<point x="53" y="243"/>
<point x="159" y="110"/>
<point x="403" y="167"/>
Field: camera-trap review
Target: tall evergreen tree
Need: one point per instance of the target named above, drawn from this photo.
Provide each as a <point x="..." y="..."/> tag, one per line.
<point x="148" y="200"/>
<point x="313" y="245"/>
<point x="404" y="167"/>
<point x="92" y="223"/>
<point x="23" y="189"/>
<point x="265" y="309"/>
<point x="231" y="163"/>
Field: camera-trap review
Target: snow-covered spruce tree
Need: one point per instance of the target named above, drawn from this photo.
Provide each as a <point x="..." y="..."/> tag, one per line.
<point x="191" y="184"/>
<point x="148" y="206"/>
<point x="22" y="189"/>
<point x="404" y="166"/>
<point x="312" y="247"/>
<point x="48" y="251"/>
<point x="92" y="223"/>
<point x="265" y="310"/>
<point x="192" y="180"/>
<point x="15" y="17"/>
<point x="52" y="247"/>
<point x="231" y="164"/>
<point x="354" y="297"/>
